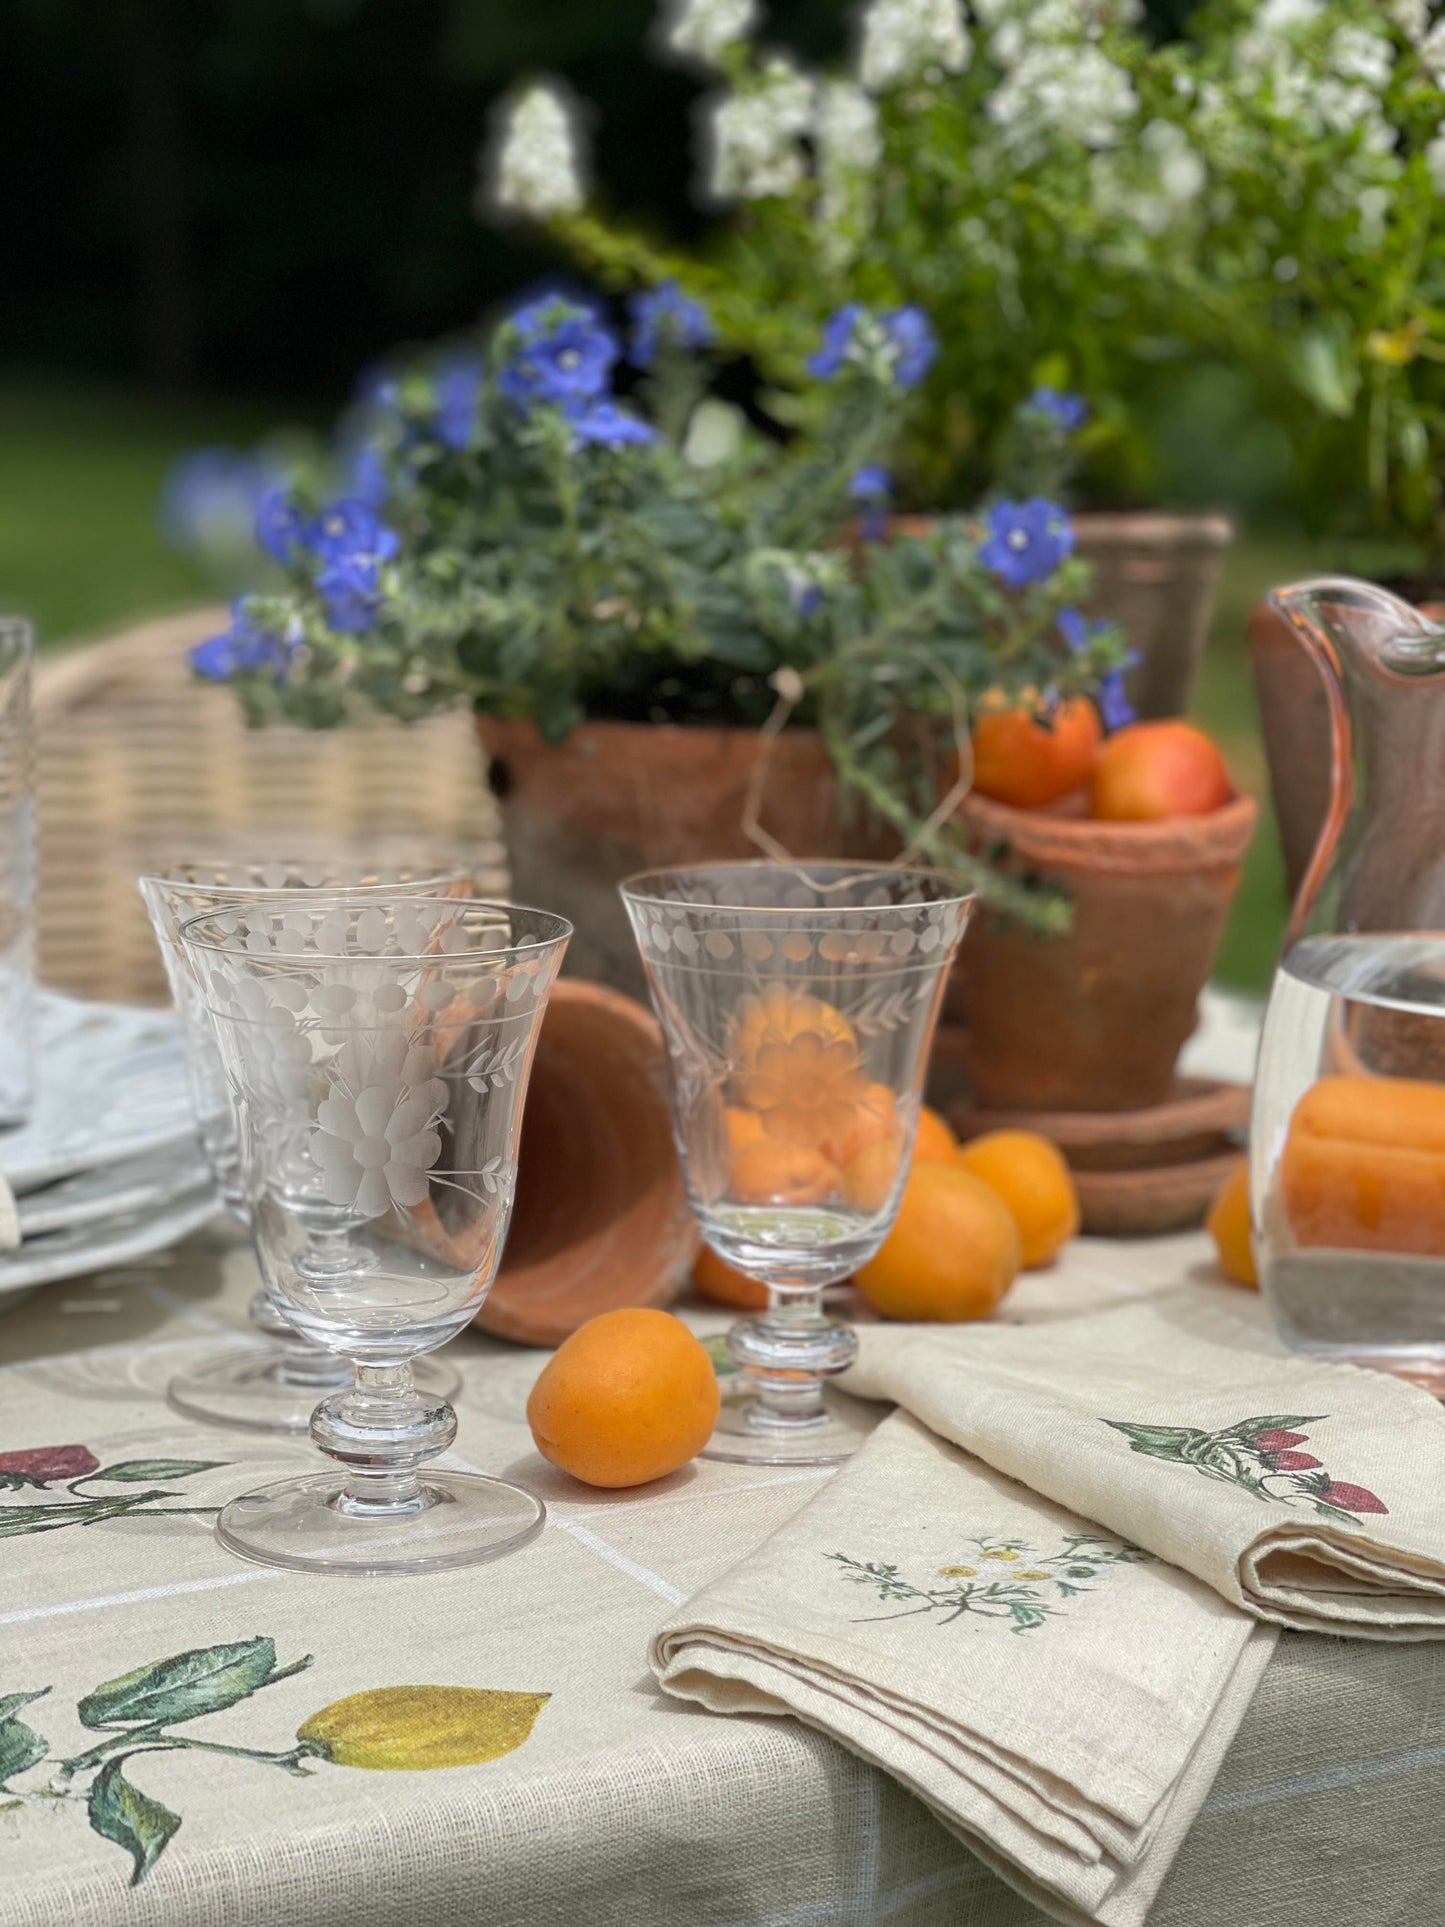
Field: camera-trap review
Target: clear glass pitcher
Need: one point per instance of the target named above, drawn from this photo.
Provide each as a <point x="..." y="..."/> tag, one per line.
<point x="1347" y="1145"/>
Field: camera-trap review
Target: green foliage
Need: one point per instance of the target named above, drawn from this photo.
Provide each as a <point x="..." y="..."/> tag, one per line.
<point x="1075" y="202"/>
<point x="708" y="574"/>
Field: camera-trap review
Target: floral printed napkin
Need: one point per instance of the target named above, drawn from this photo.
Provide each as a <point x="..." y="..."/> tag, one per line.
<point x="1060" y="1698"/>
<point x="1309" y="1494"/>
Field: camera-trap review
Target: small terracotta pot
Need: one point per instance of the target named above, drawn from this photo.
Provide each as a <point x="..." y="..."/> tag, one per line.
<point x="580" y="816"/>
<point x="1156" y="576"/>
<point x="601" y="1218"/>
<point x="1094" y="1020"/>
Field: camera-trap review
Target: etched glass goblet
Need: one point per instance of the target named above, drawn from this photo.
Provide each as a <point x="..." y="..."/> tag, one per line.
<point x="272" y="1387"/>
<point x="378" y="1050"/>
<point x="798" y="1001"/>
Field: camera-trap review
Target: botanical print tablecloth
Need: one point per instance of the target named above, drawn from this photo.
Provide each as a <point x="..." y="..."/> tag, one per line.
<point x="198" y="1791"/>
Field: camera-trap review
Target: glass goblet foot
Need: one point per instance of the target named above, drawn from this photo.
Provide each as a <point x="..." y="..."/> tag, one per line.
<point x="776" y="1411"/>
<point x="381" y="1507"/>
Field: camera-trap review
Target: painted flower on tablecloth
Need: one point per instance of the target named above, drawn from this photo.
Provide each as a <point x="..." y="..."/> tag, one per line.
<point x="44" y="1465"/>
<point x="1259" y="1455"/>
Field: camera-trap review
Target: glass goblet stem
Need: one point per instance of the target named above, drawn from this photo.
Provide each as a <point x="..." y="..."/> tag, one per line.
<point x="383" y="1430"/>
<point x="787" y="1352"/>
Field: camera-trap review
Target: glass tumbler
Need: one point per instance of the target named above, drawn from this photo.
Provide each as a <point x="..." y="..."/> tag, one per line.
<point x="378" y="1050"/>
<point x="17" y="875"/>
<point x="798" y="1003"/>
<point x="271" y="1387"/>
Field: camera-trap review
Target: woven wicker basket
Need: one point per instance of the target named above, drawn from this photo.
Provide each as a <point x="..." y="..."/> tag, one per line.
<point x="137" y="763"/>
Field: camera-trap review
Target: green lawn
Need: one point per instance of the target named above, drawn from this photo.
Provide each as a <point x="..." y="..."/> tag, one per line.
<point x="80" y="474"/>
<point x="81" y="469"/>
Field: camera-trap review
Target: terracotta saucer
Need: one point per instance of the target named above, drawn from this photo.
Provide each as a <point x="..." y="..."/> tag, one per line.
<point x="1199" y="1120"/>
<point x="1146" y="1204"/>
<point x="601" y="1218"/>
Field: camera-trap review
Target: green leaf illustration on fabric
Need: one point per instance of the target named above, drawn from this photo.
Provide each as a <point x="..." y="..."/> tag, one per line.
<point x="1258" y="1455"/>
<point x="152" y="1471"/>
<point x="120" y="1812"/>
<point x="392" y="1728"/>
<point x="182" y="1688"/>
<point x="20" y="1747"/>
<point x="39" y="1468"/>
<point x="1004" y="1579"/>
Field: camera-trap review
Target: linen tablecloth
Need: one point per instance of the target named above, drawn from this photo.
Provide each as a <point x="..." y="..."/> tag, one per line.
<point x="620" y="1805"/>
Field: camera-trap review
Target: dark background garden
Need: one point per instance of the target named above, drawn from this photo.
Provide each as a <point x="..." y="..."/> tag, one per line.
<point x="219" y="212"/>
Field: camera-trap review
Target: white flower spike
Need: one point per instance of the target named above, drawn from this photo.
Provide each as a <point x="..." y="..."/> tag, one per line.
<point x="703" y="30"/>
<point x="753" y="137"/>
<point x="536" y="168"/>
<point x="901" y="40"/>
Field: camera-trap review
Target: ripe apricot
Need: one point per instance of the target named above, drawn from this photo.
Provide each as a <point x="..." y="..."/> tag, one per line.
<point x="1148" y="771"/>
<point x="933" y="1142"/>
<point x="719" y="1281"/>
<point x="743" y="1126"/>
<point x="1363" y="1166"/>
<point x="868" y="1176"/>
<point x="1030" y="1175"/>
<point x="952" y="1254"/>
<point x="871" y="1118"/>
<point x="1228" y="1225"/>
<point x="1029" y="761"/>
<point x="629" y="1397"/>
<point x="772" y="1170"/>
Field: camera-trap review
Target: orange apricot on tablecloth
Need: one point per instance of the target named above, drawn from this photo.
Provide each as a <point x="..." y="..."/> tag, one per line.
<point x="724" y="1285"/>
<point x="773" y="1170"/>
<point x="952" y="1253"/>
<point x="1030" y="760"/>
<point x="933" y="1141"/>
<point x="1228" y="1224"/>
<point x="868" y="1179"/>
<point x="1149" y="771"/>
<point x="629" y="1397"/>
<point x="1030" y="1175"/>
<point x="1363" y="1165"/>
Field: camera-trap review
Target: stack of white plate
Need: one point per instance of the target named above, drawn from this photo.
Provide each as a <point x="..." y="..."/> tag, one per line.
<point x="107" y="1169"/>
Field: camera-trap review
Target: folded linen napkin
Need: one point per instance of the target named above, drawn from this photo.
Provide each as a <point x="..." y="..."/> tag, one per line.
<point x="1058" y="1697"/>
<point x="1310" y="1494"/>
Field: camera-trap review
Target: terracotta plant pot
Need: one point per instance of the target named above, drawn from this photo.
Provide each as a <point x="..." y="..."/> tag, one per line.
<point x="1094" y="1020"/>
<point x="1156" y="576"/>
<point x="580" y="816"/>
<point x="1295" y="722"/>
<point x="601" y="1218"/>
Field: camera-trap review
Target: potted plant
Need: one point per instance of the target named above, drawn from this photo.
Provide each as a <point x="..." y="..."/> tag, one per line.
<point x="675" y="648"/>
<point x="1031" y="179"/>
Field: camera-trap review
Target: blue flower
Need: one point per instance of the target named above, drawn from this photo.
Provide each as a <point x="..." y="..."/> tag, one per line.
<point x="556" y="351"/>
<point x="1026" y="541"/>
<point x="605" y="423"/>
<point x="914" y="342"/>
<point x="665" y="315"/>
<point x="903" y="340"/>
<point x="210" y="498"/>
<point x="807" y="599"/>
<point x="239" y="650"/>
<point x="872" y="486"/>
<point x="1114" y="706"/>
<point x="348" y="531"/>
<point x="838" y="332"/>
<point x="366" y="476"/>
<point x="1066" y="412"/>
<point x="1077" y="631"/>
<point x="280" y="525"/>
<point x="457" y="385"/>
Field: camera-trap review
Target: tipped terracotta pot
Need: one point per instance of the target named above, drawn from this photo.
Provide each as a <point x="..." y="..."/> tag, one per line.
<point x="615" y="798"/>
<point x="601" y="1218"/>
<point x="1094" y="1020"/>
